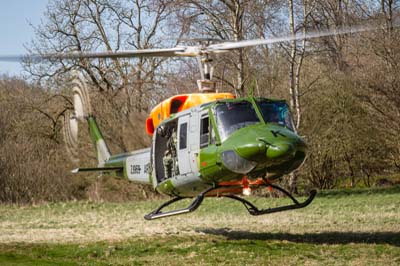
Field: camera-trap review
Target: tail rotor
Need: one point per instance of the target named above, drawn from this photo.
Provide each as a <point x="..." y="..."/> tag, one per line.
<point x="82" y="109"/>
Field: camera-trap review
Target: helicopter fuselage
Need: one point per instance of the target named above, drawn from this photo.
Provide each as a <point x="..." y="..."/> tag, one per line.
<point x="228" y="144"/>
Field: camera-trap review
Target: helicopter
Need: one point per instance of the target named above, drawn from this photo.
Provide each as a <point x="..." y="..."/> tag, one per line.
<point x="221" y="147"/>
<point x="205" y="144"/>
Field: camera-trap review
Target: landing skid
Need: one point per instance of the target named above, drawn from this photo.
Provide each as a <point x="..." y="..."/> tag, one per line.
<point x="157" y="213"/>
<point x="253" y="210"/>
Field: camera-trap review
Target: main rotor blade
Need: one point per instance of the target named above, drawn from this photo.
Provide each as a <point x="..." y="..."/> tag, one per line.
<point x="12" y="58"/>
<point x="167" y="52"/>
<point x="310" y="35"/>
<point x="187" y="51"/>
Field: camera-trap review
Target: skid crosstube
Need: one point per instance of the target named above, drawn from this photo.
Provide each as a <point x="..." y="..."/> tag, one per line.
<point x="251" y="208"/>
<point x="157" y="213"/>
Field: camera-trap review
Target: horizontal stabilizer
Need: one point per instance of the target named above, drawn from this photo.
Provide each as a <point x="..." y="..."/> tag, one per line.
<point x="99" y="169"/>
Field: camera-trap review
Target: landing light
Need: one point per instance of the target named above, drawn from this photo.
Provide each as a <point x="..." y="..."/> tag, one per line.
<point x="246" y="191"/>
<point x="237" y="164"/>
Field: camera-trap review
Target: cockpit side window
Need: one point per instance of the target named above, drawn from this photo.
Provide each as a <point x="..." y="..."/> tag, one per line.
<point x="204" y="131"/>
<point x="276" y="112"/>
<point x="232" y="116"/>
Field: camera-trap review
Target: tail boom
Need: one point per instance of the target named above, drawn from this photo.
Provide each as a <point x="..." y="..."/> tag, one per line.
<point x="134" y="166"/>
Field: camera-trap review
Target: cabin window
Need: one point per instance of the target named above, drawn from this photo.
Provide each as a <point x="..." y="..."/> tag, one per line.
<point x="183" y="136"/>
<point x="204" y="131"/>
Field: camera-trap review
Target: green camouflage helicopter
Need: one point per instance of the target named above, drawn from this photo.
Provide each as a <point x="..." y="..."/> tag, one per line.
<point x="204" y="144"/>
<point x="219" y="148"/>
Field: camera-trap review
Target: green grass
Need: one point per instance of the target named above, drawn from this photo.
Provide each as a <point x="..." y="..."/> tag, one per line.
<point x="344" y="227"/>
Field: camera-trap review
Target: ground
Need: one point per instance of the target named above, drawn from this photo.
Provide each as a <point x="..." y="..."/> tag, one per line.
<point x="357" y="227"/>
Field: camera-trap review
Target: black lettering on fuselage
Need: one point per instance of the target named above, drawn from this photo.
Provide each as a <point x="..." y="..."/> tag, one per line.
<point x="147" y="168"/>
<point x="276" y="133"/>
<point x="135" y="169"/>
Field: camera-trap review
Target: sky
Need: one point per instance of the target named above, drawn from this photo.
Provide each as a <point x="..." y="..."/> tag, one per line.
<point x="15" y="30"/>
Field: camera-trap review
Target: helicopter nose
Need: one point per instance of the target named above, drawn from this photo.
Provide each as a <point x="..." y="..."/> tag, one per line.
<point x="281" y="151"/>
<point x="252" y="151"/>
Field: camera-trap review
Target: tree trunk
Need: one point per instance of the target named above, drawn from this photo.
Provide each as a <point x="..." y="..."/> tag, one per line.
<point x="296" y="62"/>
<point x="293" y="99"/>
<point x="237" y="10"/>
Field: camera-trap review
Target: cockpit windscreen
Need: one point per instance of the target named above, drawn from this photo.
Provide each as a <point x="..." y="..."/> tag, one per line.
<point x="233" y="116"/>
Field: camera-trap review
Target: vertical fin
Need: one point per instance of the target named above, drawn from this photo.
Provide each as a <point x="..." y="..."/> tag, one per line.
<point x="102" y="150"/>
<point x="83" y="111"/>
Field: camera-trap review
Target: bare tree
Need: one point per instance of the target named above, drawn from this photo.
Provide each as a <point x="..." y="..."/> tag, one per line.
<point x="225" y="20"/>
<point x="296" y="57"/>
<point x="93" y="25"/>
<point x="380" y="81"/>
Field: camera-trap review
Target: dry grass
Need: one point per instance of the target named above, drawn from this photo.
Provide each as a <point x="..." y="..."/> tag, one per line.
<point x="336" y="229"/>
<point x="82" y="222"/>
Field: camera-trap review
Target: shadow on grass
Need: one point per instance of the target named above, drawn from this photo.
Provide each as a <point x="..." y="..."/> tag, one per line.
<point x="391" y="238"/>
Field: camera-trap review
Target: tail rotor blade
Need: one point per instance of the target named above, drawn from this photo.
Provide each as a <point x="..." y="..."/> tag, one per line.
<point x="73" y="124"/>
<point x="78" y="106"/>
<point x="82" y="109"/>
<point x="70" y="130"/>
<point x="82" y="105"/>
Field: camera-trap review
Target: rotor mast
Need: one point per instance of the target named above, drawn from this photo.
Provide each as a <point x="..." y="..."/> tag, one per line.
<point x="203" y="56"/>
<point x="205" y="83"/>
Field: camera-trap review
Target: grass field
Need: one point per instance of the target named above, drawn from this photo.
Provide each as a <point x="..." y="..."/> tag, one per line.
<point x="358" y="227"/>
